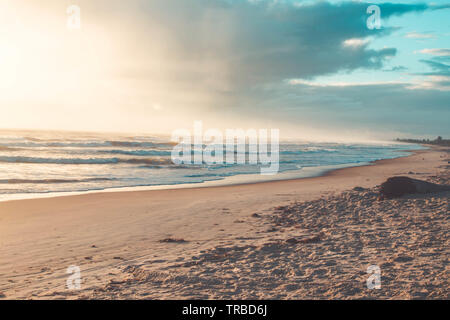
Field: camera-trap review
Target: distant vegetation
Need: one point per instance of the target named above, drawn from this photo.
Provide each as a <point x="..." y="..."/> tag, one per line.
<point x="437" y="142"/>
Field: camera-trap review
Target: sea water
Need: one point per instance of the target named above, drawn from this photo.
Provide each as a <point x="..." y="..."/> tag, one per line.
<point x="43" y="163"/>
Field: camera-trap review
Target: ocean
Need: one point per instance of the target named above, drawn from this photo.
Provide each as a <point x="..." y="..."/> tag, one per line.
<point x="37" y="164"/>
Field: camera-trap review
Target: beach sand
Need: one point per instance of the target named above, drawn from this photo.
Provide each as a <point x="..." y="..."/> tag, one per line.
<point x="309" y="238"/>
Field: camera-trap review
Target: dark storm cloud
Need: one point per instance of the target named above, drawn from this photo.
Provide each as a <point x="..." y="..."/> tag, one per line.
<point x="258" y="41"/>
<point x="276" y="40"/>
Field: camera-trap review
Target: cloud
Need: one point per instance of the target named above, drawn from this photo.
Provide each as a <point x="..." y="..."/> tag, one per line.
<point x="440" y="66"/>
<point x="419" y="36"/>
<point x="342" y="83"/>
<point x="439" y="69"/>
<point x="231" y="60"/>
<point x="355" y="43"/>
<point x="439" y="76"/>
<point x="377" y="108"/>
<point x="396" y="69"/>
<point x="432" y="82"/>
<point x="242" y="43"/>
<point x="204" y="55"/>
<point x="437" y="52"/>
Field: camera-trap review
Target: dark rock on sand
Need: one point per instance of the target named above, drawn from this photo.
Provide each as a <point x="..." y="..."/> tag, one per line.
<point x="396" y="187"/>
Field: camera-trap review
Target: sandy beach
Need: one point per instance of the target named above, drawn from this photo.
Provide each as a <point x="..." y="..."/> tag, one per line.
<point x="309" y="238"/>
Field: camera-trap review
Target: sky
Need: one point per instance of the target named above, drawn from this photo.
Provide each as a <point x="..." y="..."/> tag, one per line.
<point x="313" y="69"/>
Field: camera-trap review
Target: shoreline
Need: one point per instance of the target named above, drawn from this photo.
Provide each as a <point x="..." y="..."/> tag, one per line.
<point x="163" y="244"/>
<point x="318" y="172"/>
